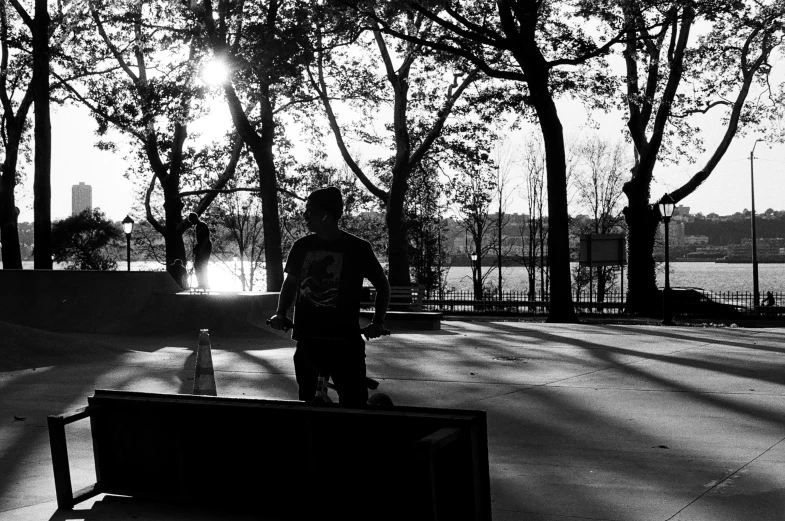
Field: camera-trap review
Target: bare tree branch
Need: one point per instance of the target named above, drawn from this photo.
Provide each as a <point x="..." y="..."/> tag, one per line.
<point x="234" y="190"/>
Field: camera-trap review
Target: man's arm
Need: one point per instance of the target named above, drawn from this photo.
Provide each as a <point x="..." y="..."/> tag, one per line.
<point x="286" y="299"/>
<point x="382" y="286"/>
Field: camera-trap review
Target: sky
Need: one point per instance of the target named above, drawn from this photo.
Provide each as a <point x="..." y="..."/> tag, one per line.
<point x="75" y="159"/>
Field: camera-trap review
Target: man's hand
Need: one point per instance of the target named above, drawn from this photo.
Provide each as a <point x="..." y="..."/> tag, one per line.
<point x="280" y="321"/>
<point x="374" y="330"/>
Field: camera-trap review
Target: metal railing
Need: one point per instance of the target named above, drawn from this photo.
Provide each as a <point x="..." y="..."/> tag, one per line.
<point x="687" y="302"/>
<point x="772" y="304"/>
<point x="513" y="303"/>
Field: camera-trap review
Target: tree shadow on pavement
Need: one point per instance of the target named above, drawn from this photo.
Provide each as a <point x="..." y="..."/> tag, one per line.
<point x="558" y="449"/>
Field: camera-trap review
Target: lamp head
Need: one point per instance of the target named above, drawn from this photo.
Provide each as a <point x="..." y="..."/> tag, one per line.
<point x="667" y="205"/>
<point x="128" y="225"/>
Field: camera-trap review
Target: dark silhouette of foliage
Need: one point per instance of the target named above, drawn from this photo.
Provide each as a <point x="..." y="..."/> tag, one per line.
<point x="422" y="88"/>
<point x="546" y="52"/>
<point x="264" y="46"/>
<point x="85" y="241"/>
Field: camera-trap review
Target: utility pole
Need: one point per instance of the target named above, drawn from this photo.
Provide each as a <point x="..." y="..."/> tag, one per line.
<point x="755" y="289"/>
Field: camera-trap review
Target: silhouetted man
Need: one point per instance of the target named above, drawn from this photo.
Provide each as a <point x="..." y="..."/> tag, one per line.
<point x="202" y="250"/>
<point x="324" y="276"/>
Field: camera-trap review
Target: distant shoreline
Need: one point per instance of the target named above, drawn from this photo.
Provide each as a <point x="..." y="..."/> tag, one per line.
<point x="490" y="261"/>
<point x="730" y="261"/>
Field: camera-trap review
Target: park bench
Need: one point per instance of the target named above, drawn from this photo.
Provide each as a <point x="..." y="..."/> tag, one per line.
<point x="402" y="298"/>
<point x="406" y="309"/>
<point x="275" y="457"/>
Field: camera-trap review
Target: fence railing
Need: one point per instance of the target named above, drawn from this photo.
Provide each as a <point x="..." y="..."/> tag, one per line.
<point x="684" y="302"/>
<point x="514" y="302"/>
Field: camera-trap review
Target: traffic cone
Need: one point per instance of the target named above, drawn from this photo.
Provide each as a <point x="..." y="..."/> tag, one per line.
<point x="204" y="376"/>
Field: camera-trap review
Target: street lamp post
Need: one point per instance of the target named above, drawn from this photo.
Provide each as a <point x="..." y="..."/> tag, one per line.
<point x="755" y="289"/>
<point x="475" y="275"/>
<point x="477" y="287"/>
<point x="128" y="227"/>
<point x="236" y="275"/>
<point x="667" y="205"/>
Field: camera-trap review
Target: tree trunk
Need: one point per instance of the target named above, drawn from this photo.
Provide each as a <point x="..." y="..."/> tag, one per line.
<point x="268" y="184"/>
<point x="642" y="221"/>
<point x="42" y="227"/>
<point x="398" y="254"/>
<point x="641" y="279"/>
<point x="9" y="233"/>
<point x="175" y="247"/>
<point x="531" y="264"/>
<point x="261" y="146"/>
<point x="174" y="226"/>
<point x="641" y="217"/>
<point x="499" y="226"/>
<point x="561" y="308"/>
<point x="541" y="227"/>
<point x="538" y="75"/>
<point x="602" y="277"/>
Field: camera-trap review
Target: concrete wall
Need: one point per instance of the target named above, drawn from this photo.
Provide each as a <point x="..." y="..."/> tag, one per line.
<point x="120" y="301"/>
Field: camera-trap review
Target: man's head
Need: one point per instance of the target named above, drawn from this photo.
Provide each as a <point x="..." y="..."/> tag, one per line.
<point x="328" y="199"/>
<point x="323" y="209"/>
<point x="193" y="218"/>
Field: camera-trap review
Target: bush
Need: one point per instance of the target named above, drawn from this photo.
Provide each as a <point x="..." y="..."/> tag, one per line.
<point x="86" y="241"/>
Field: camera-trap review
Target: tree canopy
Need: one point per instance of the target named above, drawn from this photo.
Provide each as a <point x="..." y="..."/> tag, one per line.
<point x="85" y="241"/>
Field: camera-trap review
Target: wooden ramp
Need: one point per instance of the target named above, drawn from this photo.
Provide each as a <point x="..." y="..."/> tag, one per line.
<point x="283" y="459"/>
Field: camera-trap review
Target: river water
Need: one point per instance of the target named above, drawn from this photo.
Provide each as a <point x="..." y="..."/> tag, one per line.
<point x="710" y="276"/>
<point x="706" y="275"/>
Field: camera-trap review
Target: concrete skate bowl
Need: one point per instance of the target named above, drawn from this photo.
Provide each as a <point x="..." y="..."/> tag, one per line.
<point x="123" y="302"/>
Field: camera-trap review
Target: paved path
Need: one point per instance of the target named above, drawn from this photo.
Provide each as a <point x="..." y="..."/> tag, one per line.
<point x="611" y="422"/>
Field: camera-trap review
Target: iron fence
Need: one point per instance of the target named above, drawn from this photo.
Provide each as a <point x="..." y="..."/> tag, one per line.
<point x="689" y="302"/>
<point x="515" y="302"/>
<point x="742" y="303"/>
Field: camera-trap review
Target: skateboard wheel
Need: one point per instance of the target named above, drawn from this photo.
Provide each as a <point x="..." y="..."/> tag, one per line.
<point x="380" y="400"/>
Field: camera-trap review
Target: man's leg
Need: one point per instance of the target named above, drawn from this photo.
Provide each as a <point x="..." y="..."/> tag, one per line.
<point x="349" y="375"/>
<point x="305" y="372"/>
<point x="200" y="267"/>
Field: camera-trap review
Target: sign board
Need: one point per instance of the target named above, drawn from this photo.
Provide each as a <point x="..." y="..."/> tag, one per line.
<point x="603" y="250"/>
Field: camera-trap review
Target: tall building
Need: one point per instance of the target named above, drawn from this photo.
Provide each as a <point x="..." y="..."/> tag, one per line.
<point x="682" y="214"/>
<point x="81" y="198"/>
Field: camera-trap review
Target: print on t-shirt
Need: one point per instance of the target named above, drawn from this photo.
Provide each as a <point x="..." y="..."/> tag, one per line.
<point x="321" y="277"/>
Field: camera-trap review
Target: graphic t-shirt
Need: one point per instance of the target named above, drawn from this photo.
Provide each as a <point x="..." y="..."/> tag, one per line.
<point x="331" y="278"/>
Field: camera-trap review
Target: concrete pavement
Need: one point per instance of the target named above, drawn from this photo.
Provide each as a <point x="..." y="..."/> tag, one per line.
<point x="603" y="422"/>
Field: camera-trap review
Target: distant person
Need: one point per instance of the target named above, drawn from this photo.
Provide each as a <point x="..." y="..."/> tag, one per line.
<point x="202" y="250"/>
<point x="179" y="273"/>
<point x="769" y="300"/>
<point x="324" y="276"/>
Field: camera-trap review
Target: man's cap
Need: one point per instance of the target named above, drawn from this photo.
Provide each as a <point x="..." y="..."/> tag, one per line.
<point x="330" y="199"/>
